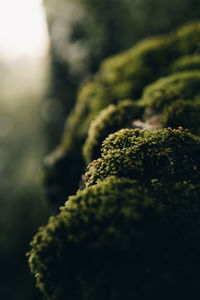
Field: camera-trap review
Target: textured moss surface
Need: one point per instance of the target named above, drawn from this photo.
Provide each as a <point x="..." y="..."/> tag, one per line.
<point x="125" y="76"/>
<point x="165" y="154"/>
<point x="185" y="84"/>
<point x="108" y="121"/>
<point x="172" y="101"/>
<point x="82" y="34"/>
<point x="176" y="98"/>
<point x="121" y="240"/>
<point x="134" y="231"/>
<point x="186" y="63"/>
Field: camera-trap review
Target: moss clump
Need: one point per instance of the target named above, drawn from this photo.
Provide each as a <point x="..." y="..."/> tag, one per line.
<point x="176" y="99"/>
<point x="172" y="101"/>
<point x="185" y="84"/>
<point x="167" y="155"/>
<point x="121" y="240"/>
<point x="123" y="76"/>
<point x="186" y="63"/>
<point x="182" y="113"/>
<point x="108" y="121"/>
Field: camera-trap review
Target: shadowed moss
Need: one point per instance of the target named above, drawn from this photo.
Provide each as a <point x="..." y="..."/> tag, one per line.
<point x="176" y="98"/>
<point x="172" y="101"/>
<point x="183" y="113"/>
<point x="165" y="154"/>
<point x="185" y="84"/>
<point x="108" y="121"/>
<point x="121" y="77"/>
<point x="82" y="34"/>
<point x="121" y="240"/>
<point x="186" y="63"/>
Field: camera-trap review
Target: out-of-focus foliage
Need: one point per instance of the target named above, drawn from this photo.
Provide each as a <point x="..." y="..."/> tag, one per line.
<point x="132" y="235"/>
<point x="83" y="33"/>
<point x="185" y="63"/>
<point x="120" y="77"/>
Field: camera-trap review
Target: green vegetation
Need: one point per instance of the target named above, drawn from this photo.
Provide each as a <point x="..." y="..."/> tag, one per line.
<point x="134" y="232"/>
<point x="125" y="76"/>
<point x="108" y="121"/>
<point x="186" y="63"/>
<point x="171" y="101"/>
<point x="83" y="34"/>
<point x="165" y="154"/>
<point x="176" y="99"/>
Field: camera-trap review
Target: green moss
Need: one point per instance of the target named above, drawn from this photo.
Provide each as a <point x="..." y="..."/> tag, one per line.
<point x="182" y="113"/>
<point x="184" y="84"/>
<point x="186" y="63"/>
<point x="123" y="77"/>
<point x="187" y="38"/>
<point x="108" y="121"/>
<point x="121" y="240"/>
<point x="176" y="98"/>
<point x="165" y="154"/>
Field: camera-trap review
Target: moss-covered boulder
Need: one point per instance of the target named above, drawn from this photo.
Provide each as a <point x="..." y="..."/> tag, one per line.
<point x="82" y="34"/>
<point x="109" y="120"/>
<point x="134" y="231"/>
<point x="124" y="76"/>
<point x="186" y="63"/>
<point x="121" y="240"/>
<point x="171" y="101"/>
<point x="164" y="154"/>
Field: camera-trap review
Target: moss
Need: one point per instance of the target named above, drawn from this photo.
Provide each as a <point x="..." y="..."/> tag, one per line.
<point x="176" y="98"/>
<point x="182" y="113"/>
<point x="165" y="154"/>
<point x="186" y="63"/>
<point x="184" y="84"/>
<point x="123" y="77"/>
<point x="108" y="121"/>
<point x="187" y="38"/>
<point x="121" y="240"/>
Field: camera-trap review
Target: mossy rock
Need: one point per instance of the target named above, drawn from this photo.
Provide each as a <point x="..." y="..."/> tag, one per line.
<point x="121" y="77"/>
<point x="164" y="154"/>
<point x="172" y="101"/>
<point x="186" y="63"/>
<point x="176" y="99"/>
<point x="119" y="240"/>
<point x="182" y="113"/>
<point x="109" y="120"/>
<point x="184" y="84"/>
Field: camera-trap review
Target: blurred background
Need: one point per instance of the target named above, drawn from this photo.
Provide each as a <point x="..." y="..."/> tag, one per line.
<point x="47" y="48"/>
